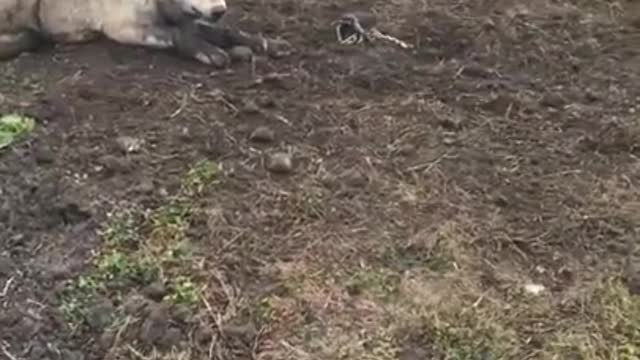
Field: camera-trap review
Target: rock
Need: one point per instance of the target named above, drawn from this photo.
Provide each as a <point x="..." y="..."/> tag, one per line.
<point x="9" y="317"/>
<point x="128" y="144"/>
<point x="145" y="186"/>
<point x="534" y="289"/>
<point x="203" y="334"/>
<point x="354" y="178"/>
<point x="155" y="291"/>
<point x="182" y="313"/>
<point x="262" y="134"/>
<point x="38" y="352"/>
<point x="155" y="326"/>
<point x="100" y="315"/>
<point x="279" y="48"/>
<point x="171" y="338"/>
<point x="106" y="339"/>
<point x="553" y="100"/>
<point x="44" y="155"/>
<point x="631" y="275"/>
<point x="280" y="163"/>
<point x="241" y="54"/>
<point x="406" y="150"/>
<point x="26" y="328"/>
<point x="245" y="332"/>
<point x="6" y="266"/>
<point x="451" y="123"/>
<point x="72" y="355"/>
<point x="449" y="140"/>
<point x="134" y="304"/>
<point x="113" y="165"/>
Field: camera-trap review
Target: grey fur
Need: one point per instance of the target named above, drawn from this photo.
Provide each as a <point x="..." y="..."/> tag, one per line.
<point x="25" y="25"/>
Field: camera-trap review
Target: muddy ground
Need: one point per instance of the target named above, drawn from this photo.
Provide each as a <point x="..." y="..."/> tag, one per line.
<point x="473" y="198"/>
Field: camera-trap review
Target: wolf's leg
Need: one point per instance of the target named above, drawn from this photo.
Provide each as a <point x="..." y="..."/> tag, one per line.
<point x="12" y="45"/>
<point x="227" y="38"/>
<point x="181" y="39"/>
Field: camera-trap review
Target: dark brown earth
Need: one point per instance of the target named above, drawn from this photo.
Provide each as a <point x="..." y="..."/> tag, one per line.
<point x="427" y="188"/>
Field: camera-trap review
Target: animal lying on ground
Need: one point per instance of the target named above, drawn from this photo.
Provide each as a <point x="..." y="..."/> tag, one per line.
<point x="184" y="26"/>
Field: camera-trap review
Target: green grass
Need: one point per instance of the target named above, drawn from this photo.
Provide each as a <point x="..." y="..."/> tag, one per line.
<point x="141" y="248"/>
<point x="14" y="127"/>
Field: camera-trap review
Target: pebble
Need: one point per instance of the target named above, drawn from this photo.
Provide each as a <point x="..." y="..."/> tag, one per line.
<point x="134" y="304"/>
<point x="155" y="326"/>
<point x="129" y="144"/>
<point x="354" y="178"/>
<point x="280" y="163"/>
<point x="113" y="164"/>
<point x="155" y="291"/>
<point x="6" y="265"/>
<point x="145" y="186"/>
<point x="100" y="315"/>
<point x="262" y="134"/>
<point x="241" y="53"/>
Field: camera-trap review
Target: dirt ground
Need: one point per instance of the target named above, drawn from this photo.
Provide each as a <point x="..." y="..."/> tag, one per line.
<point x="474" y="198"/>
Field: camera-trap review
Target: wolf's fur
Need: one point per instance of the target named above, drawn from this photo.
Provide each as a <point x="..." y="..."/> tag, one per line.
<point x="163" y="24"/>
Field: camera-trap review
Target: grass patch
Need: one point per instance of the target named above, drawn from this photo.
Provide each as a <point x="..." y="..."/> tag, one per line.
<point x="14" y="127"/>
<point x="140" y="248"/>
<point x="609" y="328"/>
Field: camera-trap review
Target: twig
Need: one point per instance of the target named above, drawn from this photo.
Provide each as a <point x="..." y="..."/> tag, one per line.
<point x="6" y="353"/>
<point x="5" y="290"/>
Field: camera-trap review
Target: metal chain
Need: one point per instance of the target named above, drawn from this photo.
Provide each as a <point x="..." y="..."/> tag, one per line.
<point x="360" y="34"/>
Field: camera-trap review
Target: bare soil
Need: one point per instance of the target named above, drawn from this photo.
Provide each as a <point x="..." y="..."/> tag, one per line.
<point x="432" y="193"/>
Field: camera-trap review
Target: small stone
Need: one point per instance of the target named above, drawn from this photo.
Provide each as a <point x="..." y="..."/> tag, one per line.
<point x="44" y="155"/>
<point x="241" y="53"/>
<point x="155" y="326"/>
<point x="106" y="339"/>
<point x="134" y="304"/>
<point x="100" y="315"/>
<point x="262" y="134"/>
<point x="406" y="150"/>
<point x="203" y="334"/>
<point x="72" y="355"/>
<point x="128" y="144"/>
<point x="38" y="352"/>
<point x="182" y="313"/>
<point x="354" y="178"/>
<point x="113" y="165"/>
<point x="145" y="186"/>
<point x="448" y="140"/>
<point x="553" y="100"/>
<point x="244" y="332"/>
<point x="171" y="338"/>
<point x="6" y="266"/>
<point x="534" y="289"/>
<point x="280" y="163"/>
<point x="155" y="291"/>
<point x="451" y="123"/>
<point x="10" y="317"/>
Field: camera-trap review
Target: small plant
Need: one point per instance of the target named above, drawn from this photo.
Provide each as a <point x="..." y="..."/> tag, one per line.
<point x="200" y="175"/>
<point x="184" y="291"/>
<point x="122" y="230"/>
<point x="13" y="127"/>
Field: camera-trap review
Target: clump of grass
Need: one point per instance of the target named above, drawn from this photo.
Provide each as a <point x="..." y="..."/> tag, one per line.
<point x="141" y="248"/>
<point x="609" y="330"/>
<point x="14" y="127"/>
<point x="379" y="283"/>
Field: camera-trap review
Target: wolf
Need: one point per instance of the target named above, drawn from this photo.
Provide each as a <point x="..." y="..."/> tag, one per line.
<point x="188" y="27"/>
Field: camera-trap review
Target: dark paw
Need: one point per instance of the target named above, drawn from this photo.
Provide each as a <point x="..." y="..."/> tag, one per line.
<point x="213" y="56"/>
<point x="241" y="54"/>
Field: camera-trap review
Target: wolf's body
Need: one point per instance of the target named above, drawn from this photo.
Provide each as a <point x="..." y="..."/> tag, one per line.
<point x="162" y="24"/>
